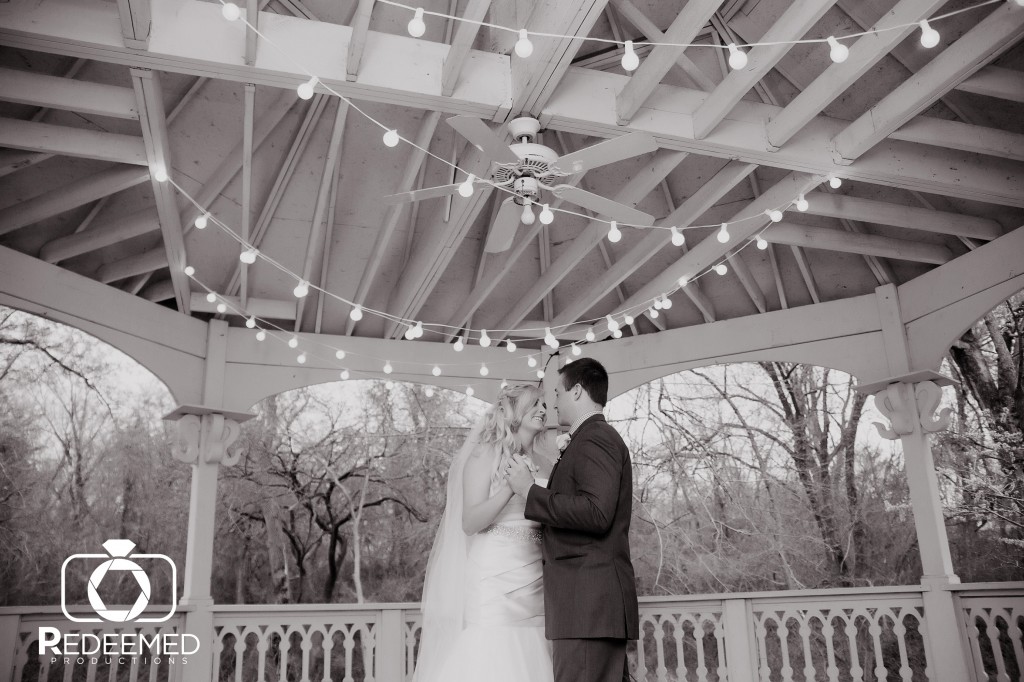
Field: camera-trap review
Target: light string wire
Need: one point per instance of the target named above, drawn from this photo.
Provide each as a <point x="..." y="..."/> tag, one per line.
<point x="655" y="43"/>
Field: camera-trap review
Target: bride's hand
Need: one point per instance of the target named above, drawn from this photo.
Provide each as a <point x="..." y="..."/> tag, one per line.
<point x="519" y="476"/>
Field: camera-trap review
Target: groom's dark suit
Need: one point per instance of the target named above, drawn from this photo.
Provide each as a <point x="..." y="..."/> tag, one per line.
<point x="589" y="586"/>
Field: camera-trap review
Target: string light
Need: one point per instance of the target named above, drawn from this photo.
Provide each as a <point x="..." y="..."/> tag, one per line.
<point x="721" y="269"/>
<point x="418" y="329"/>
<point x="388" y="369"/>
<point x="344" y="375"/>
<point x="801" y="203"/>
<point x="459" y="344"/>
<point x="340" y="354"/>
<point x="201" y="221"/>
<point x="684" y="280"/>
<point x="248" y="256"/>
<point x="189" y="270"/>
<point x="613" y="232"/>
<point x="628" y="319"/>
<point x="504" y="384"/>
<point x="261" y="335"/>
<point x="230" y="11"/>
<point x="540" y="374"/>
<point x="356" y="314"/>
<point x="251" y="323"/>
<point x="222" y="307"/>
<point x="929" y="36"/>
<point x="666" y="302"/>
<point x="510" y="346"/>
<point x="617" y="334"/>
<point x="484" y="371"/>
<point x="590" y="336"/>
<point x="470" y="391"/>
<point x="761" y="243"/>
<point x="576" y="350"/>
<point x="524" y="48"/>
<point x="293" y="342"/>
<point x="436" y="371"/>
<point x="834" y="182"/>
<point x="723" y="233"/>
<point x="416" y="26"/>
<point x="678" y="238"/>
<point x="429" y="391"/>
<point x="531" y="361"/>
<point x="301" y="359"/>
<point x="301" y="289"/>
<point x="410" y="333"/>
<point x="839" y="52"/>
<point x="391" y="138"/>
<point x="211" y="297"/>
<point x="612" y="324"/>
<point x="774" y="214"/>
<point x="550" y="339"/>
<point x="466" y="186"/>
<point x="630" y="61"/>
<point x="652" y="313"/>
<point x="656" y="304"/>
<point x="546" y="216"/>
<point x="485" y="340"/>
<point x="527" y="216"/>
<point x="159" y="173"/>
<point x="737" y="57"/>
<point x="305" y="90"/>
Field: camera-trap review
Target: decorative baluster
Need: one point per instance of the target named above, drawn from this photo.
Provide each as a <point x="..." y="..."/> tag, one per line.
<point x="1015" y="620"/>
<point x="856" y="671"/>
<point x="239" y="649"/>
<point x="900" y="631"/>
<point x="327" y="645"/>
<point x="305" y="646"/>
<point x="805" y="637"/>
<point x="640" y="645"/>
<point x="923" y="627"/>
<point x="720" y="648"/>
<point x="21" y="657"/>
<point x="349" y="645"/>
<point x="875" y="629"/>
<point x="680" y="636"/>
<point x="997" y="652"/>
<point x="762" y="645"/>
<point x="659" y="644"/>
<point x="828" y="632"/>
<point x="783" y="634"/>
<point x="262" y="635"/>
<point x="698" y="636"/>
<point x="410" y="648"/>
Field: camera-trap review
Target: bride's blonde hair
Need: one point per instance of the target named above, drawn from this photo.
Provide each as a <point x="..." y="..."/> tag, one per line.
<point x="504" y="418"/>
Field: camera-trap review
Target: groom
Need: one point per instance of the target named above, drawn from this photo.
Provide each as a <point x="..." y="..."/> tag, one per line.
<point x="590" y="600"/>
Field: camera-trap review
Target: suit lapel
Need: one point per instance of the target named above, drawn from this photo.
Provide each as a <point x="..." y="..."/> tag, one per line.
<point x="569" y="447"/>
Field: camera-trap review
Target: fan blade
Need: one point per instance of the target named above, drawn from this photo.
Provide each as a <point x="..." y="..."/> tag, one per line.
<point x="602" y="206"/>
<point x="478" y="133"/>
<point x="420" y="194"/>
<point x="503" y="231"/>
<point x="609" y="151"/>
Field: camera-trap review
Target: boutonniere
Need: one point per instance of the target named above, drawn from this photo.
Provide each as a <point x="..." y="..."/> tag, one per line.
<point x="562" y="442"/>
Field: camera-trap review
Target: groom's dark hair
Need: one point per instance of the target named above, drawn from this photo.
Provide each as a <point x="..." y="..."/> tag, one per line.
<point x="588" y="373"/>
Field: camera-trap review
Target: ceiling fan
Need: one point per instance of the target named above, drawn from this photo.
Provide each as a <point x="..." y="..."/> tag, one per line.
<point x="527" y="169"/>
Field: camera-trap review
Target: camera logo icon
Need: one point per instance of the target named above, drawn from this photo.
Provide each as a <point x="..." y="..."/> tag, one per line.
<point x="118" y="560"/>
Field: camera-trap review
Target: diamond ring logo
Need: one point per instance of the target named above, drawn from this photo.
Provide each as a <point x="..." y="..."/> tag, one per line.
<point x="119" y="562"/>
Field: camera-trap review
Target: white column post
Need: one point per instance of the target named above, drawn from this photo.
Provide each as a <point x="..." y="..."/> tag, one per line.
<point x="389" y="659"/>
<point x="740" y="657"/>
<point x="911" y="410"/>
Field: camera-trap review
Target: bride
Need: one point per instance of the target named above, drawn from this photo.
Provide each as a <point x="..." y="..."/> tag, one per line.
<point x="483" y="597"/>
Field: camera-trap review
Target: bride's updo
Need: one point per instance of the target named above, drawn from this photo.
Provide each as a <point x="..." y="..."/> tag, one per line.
<point x="504" y="418"/>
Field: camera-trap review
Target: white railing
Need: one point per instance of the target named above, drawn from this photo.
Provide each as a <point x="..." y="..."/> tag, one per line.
<point x="861" y="635"/>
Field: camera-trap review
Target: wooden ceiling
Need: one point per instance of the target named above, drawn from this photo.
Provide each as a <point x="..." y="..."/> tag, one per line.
<point x="929" y="144"/>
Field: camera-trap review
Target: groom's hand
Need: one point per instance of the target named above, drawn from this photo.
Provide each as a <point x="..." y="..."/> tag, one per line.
<point x="520" y="479"/>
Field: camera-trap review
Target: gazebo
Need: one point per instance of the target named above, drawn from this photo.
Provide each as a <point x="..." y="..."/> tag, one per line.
<point x="828" y="182"/>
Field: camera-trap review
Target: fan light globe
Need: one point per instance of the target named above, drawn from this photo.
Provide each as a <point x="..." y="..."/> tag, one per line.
<point x="391" y="138"/>
<point x="211" y="297"/>
<point x="416" y="26"/>
<point x="761" y="243"/>
<point x="436" y="371"/>
<point x="230" y="11"/>
<point x="524" y="48"/>
<point x="630" y="61"/>
<point x="222" y="308"/>
<point x="466" y="186"/>
<point x="202" y="220"/>
<point x="723" y="233"/>
<point x="546" y="216"/>
<point x="261" y="335"/>
<point x="356" y="314"/>
<point x="293" y="342"/>
<point x="678" y="238"/>
<point x="929" y="36"/>
<point x="527" y="217"/>
<point x="305" y="90"/>
<point x="801" y="203"/>
<point x="839" y="52"/>
<point x="721" y="269"/>
<point x="737" y="57"/>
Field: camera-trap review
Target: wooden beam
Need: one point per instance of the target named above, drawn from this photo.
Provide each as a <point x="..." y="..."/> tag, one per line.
<point x="805" y="272"/>
<point x="791" y="234"/>
<point x="357" y="42"/>
<point x="641" y="84"/>
<point x="380" y="247"/>
<point x="638" y="187"/>
<point x="151" y="260"/>
<point x="1000" y="29"/>
<point x="796" y="21"/>
<point x="263" y="308"/>
<point x="476" y="10"/>
<point x="955" y="135"/>
<point x="746" y="278"/>
<point x="867" y="51"/>
<point x="777" y="275"/>
<point x="247" y="151"/>
<point x="56" y="92"/>
<point x="70" y="196"/>
<point x="132" y="225"/>
<point x="654" y="241"/>
<point x="633" y="15"/>
<point x="13" y="161"/>
<point x="136" y="22"/>
<point x="252" y="15"/>
<point x="995" y="81"/>
<point x="910" y="217"/>
<point x="149" y="95"/>
<point x="89" y="144"/>
<point x="325" y="262"/>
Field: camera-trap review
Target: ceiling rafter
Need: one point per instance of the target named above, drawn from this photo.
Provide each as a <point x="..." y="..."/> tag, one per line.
<point x="252" y="26"/>
<point x="805" y="273"/>
<point x="357" y="42"/>
<point x="136" y="22"/>
<point x="66" y="141"/>
<point x="57" y="92"/>
<point x="965" y="137"/>
<point x="995" y="81"/>
<point x="113" y="231"/>
<point x="325" y="262"/>
<point x="791" y="234"/>
<point x="461" y="44"/>
<point x="248" y="115"/>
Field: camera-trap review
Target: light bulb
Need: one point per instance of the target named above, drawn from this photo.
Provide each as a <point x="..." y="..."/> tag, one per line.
<point x="305" y="90"/>
<point x="801" y="203"/>
<point x="590" y="336"/>
<point x="546" y="216"/>
<point x="761" y="243"/>
<point x="684" y="280"/>
<point x="504" y="384"/>
<point x="524" y="48"/>
<point x="839" y="52"/>
<point x="251" y="323"/>
<point x="436" y="371"/>
<point x="222" y="308"/>
<point x="485" y="340"/>
<point x="470" y="391"/>
<point x="617" y="334"/>
<point x="576" y="350"/>
<point x="416" y="26"/>
<point x="459" y="344"/>
<point x="160" y="173"/>
<point x="293" y="342"/>
<point x="211" y="297"/>
<point x="344" y="375"/>
<point x="666" y="302"/>
<point x="301" y="289"/>
<point x="418" y="330"/>
<point x="466" y="186"/>
<point x="356" y="314"/>
<point x="737" y="57"/>
<point x="510" y="346"/>
<point x="774" y="214"/>
<point x="388" y="369"/>
<point x="723" y="233"/>
<point x="429" y="391"/>
<point x="929" y="36"/>
<point x="484" y="371"/>
<point x="531" y="361"/>
<point x="721" y="269"/>
<point x="527" y="216"/>
<point x="201" y="221"/>
<point x="391" y="138"/>
<point x="189" y="270"/>
<point x="301" y="359"/>
<point x="340" y="354"/>
<point x="612" y="324"/>
<point x="260" y="335"/>
<point x="410" y="333"/>
<point x="657" y="304"/>
<point x="678" y="238"/>
<point x="550" y="339"/>
<point x="652" y="313"/>
<point x="613" y="232"/>
<point x="230" y="11"/>
<point x="629" y="59"/>
<point x="834" y="182"/>
<point x="248" y="256"/>
<point x="628" y="319"/>
<point x="540" y="374"/>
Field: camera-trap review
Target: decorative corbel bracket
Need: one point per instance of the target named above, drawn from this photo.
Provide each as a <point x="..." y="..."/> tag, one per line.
<point x="908" y="406"/>
<point x="206" y="436"/>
